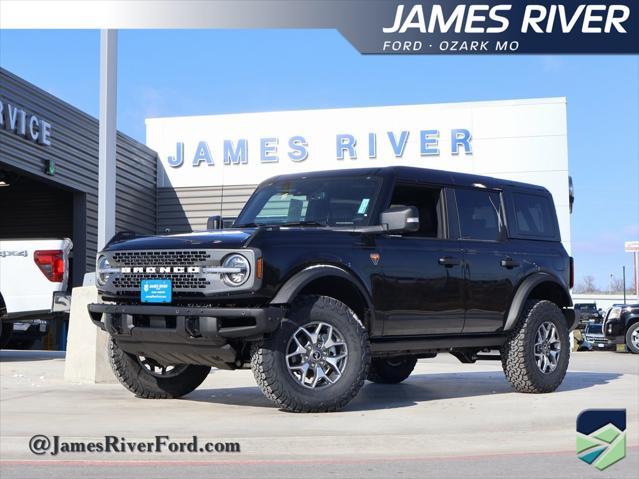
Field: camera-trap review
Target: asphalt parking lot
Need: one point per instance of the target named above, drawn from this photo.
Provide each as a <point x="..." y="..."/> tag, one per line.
<point x="447" y="419"/>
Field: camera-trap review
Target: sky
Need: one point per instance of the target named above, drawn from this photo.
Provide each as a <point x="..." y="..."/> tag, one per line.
<point x="193" y="72"/>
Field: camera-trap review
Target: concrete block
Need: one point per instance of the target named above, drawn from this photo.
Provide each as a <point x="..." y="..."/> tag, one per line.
<point x="86" y="359"/>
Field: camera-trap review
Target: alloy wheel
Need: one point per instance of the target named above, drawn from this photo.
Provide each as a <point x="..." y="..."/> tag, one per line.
<point x="547" y="347"/>
<point x="316" y="355"/>
<point x="634" y="338"/>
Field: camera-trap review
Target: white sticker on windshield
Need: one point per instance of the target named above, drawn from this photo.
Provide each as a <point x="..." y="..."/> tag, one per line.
<point x="363" y="206"/>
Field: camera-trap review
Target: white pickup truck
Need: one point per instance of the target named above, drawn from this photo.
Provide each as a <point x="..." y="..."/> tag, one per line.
<point x="34" y="275"/>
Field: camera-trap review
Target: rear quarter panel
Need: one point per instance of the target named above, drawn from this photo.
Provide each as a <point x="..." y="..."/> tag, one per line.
<point x="542" y="256"/>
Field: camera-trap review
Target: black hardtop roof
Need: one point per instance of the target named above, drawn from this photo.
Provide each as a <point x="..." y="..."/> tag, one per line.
<point x="416" y="174"/>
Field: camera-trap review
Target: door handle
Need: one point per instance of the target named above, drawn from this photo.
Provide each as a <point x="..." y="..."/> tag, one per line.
<point x="449" y="261"/>
<point x="509" y="263"/>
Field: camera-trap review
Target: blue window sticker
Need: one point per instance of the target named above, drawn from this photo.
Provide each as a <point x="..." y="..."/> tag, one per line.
<point x="363" y="206"/>
<point x="155" y="290"/>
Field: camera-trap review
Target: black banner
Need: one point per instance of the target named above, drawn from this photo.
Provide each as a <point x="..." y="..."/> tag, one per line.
<point x="494" y="27"/>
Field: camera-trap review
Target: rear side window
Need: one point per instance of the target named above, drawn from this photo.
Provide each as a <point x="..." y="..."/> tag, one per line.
<point x="534" y="216"/>
<point x="479" y="214"/>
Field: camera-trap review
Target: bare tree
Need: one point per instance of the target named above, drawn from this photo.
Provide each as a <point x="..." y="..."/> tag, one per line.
<point x="587" y="285"/>
<point x="616" y="285"/>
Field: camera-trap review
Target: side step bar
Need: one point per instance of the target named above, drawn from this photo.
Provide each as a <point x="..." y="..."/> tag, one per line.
<point x="397" y="346"/>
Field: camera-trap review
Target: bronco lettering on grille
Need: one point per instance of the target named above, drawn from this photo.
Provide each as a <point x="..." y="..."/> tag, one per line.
<point x="160" y="269"/>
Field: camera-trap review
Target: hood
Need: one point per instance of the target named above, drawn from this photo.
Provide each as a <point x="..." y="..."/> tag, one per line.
<point x="227" y="239"/>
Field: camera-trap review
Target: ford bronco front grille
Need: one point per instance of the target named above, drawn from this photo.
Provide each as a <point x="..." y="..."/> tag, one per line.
<point x="160" y="258"/>
<point x="196" y="272"/>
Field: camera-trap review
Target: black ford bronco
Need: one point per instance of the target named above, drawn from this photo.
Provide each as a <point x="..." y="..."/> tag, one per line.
<point x="328" y="279"/>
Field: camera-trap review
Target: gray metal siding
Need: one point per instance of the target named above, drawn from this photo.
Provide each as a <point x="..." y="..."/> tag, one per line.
<point x="135" y="200"/>
<point x="183" y="210"/>
<point x="74" y="148"/>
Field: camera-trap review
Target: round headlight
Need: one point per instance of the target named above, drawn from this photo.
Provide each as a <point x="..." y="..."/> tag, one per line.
<point x="241" y="268"/>
<point x="102" y="270"/>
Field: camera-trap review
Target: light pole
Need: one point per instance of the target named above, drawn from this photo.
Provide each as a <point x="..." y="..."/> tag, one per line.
<point x="107" y="136"/>
<point x="624" y="284"/>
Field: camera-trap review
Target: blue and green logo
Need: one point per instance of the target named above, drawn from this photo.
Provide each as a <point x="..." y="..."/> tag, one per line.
<point x="601" y="437"/>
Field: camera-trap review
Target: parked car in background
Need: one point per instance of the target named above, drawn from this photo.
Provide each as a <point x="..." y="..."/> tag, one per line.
<point x="34" y="276"/>
<point x="586" y="313"/>
<point x="593" y="334"/>
<point x="621" y="326"/>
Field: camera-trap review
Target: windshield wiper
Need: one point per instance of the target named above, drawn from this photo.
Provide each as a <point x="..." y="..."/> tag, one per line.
<point x="301" y="223"/>
<point x="289" y="223"/>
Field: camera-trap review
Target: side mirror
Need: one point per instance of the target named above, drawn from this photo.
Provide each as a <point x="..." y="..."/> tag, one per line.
<point x="214" y="223"/>
<point x="400" y="219"/>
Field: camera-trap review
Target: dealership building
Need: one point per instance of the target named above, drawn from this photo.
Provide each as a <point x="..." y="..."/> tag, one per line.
<point x="49" y="173"/>
<point x="195" y="167"/>
<point x="211" y="164"/>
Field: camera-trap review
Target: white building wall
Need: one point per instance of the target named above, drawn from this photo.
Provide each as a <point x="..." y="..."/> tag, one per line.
<point x="604" y="301"/>
<point x="522" y="140"/>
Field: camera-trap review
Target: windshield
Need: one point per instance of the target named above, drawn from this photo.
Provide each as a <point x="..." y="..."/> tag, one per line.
<point x="586" y="307"/>
<point x="594" y="329"/>
<point x="313" y="201"/>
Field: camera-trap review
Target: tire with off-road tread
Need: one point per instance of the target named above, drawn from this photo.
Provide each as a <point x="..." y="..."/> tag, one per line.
<point x="536" y="353"/>
<point x="391" y="370"/>
<point x="631" y="338"/>
<point x="317" y="360"/>
<point x="136" y="373"/>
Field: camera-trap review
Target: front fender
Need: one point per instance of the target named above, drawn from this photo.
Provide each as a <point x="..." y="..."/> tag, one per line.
<point x="523" y="293"/>
<point x="298" y="281"/>
<point x="629" y="320"/>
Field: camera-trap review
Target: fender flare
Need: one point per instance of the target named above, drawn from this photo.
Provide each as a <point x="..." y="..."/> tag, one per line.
<point x="524" y="290"/>
<point x="299" y="280"/>
<point x="630" y="321"/>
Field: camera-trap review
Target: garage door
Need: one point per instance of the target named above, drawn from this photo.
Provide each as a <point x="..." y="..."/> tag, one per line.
<point x="34" y="209"/>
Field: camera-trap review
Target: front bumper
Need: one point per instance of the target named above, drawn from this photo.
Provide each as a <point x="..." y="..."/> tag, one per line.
<point x="176" y="324"/>
<point x="600" y="342"/>
<point x="185" y="335"/>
